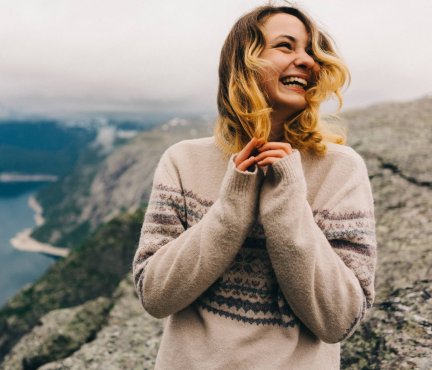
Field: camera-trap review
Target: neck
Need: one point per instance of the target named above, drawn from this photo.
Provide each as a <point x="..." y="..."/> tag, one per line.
<point x="276" y="135"/>
<point x="277" y="130"/>
<point x="277" y="121"/>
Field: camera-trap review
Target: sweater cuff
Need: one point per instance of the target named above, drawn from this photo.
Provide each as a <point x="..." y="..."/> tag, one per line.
<point x="289" y="168"/>
<point x="240" y="182"/>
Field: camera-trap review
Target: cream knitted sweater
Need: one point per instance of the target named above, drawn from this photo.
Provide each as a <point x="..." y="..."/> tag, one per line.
<point x="256" y="271"/>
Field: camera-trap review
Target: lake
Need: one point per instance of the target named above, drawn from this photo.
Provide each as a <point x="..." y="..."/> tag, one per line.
<point x="17" y="268"/>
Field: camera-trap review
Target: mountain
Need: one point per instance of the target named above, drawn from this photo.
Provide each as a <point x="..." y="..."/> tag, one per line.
<point x="393" y="139"/>
<point x="43" y="146"/>
<point x="99" y="190"/>
<point x="34" y="151"/>
<point x="92" y="270"/>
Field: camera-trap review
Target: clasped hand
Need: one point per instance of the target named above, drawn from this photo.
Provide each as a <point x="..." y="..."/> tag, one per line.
<point x="256" y="152"/>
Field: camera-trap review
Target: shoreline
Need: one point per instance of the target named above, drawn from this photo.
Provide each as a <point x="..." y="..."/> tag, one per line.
<point x="24" y="242"/>
<point x="38" y="210"/>
<point x="21" y="177"/>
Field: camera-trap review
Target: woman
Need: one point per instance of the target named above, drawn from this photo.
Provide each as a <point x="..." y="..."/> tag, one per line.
<point x="258" y="243"/>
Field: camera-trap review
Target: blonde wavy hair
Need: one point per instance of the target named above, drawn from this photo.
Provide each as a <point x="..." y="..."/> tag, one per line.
<point x="244" y="109"/>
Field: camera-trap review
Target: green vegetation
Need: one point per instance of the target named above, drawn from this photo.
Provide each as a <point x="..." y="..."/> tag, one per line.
<point x="93" y="269"/>
<point x="70" y="334"/>
<point x="62" y="202"/>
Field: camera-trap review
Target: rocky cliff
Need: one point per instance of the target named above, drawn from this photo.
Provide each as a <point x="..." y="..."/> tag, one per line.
<point x="393" y="138"/>
<point x="92" y="270"/>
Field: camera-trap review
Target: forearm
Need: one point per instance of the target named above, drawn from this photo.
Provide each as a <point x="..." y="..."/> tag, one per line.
<point x="184" y="268"/>
<point x="322" y="291"/>
<point x="327" y="288"/>
<point x="171" y="270"/>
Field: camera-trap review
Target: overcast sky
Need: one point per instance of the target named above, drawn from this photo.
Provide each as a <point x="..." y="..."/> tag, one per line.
<point x="153" y="55"/>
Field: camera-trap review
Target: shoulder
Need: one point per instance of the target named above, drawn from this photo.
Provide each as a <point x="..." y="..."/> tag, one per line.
<point x="338" y="177"/>
<point x="337" y="151"/>
<point x="192" y="155"/>
<point x="200" y="150"/>
<point x="200" y="144"/>
<point x="176" y="161"/>
<point x="341" y="165"/>
<point x="344" y="158"/>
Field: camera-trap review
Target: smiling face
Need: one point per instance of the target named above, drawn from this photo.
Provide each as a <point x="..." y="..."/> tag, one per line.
<point x="293" y="68"/>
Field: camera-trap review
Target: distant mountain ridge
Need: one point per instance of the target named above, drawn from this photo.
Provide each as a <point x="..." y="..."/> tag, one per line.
<point x="43" y="147"/>
<point x="52" y="147"/>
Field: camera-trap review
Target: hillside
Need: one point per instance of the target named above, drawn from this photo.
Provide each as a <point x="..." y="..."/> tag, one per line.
<point x="397" y="334"/>
<point x="98" y="191"/>
<point x="92" y="270"/>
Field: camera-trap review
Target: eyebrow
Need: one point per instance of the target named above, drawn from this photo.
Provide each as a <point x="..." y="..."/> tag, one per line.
<point x="289" y="37"/>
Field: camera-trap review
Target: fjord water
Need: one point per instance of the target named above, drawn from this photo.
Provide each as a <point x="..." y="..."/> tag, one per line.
<point x="17" y="268"/>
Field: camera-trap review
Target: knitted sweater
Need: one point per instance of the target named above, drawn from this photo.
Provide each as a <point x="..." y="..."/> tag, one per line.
<point x="256" y="270"/>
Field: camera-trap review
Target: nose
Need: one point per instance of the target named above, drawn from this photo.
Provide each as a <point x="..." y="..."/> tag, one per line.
<point x="304" y="60"/>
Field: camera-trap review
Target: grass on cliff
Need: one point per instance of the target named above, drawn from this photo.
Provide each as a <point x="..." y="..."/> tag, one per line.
<point x="92" y="270"/>
<point x="63" y="202"/>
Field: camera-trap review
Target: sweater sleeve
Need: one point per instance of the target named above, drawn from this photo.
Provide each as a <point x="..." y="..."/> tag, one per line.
<point x="324" y="259"/>
<point x="174" y="264"/>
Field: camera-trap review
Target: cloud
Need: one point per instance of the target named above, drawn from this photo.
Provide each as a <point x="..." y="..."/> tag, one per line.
<point x="151" y="55"/>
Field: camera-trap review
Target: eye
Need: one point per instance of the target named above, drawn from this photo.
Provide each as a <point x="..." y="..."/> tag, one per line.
<point x="285" y="45"/>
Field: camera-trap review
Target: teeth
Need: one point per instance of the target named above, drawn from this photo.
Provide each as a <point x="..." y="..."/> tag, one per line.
<point x="290" y="80"/>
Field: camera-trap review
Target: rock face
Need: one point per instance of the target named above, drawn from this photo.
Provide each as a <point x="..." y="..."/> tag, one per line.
<point x="398" y="135"/>
<point x="394" y="140"/>
<point x="399" y="333"/>
<point x="60" y="333"/>
<point x="130" y="339"/>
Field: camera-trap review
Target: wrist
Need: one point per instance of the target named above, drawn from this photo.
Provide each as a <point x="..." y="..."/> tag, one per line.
<point x="239" y="193"/>
<point x="239" y="182"/>
<point x="289" y="168"/>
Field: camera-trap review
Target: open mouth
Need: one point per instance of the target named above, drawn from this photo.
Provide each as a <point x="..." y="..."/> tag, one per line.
<point x="296" y="82"/>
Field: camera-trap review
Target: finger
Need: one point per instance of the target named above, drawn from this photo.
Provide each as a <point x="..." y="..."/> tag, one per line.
<point x="267" y="161"/>
<point x="243" y="166"/>
<point x="276" y="145"/>
<point x="271" y="153"/>
<point x="246" y="151"/>
<point x="260" y="142"/>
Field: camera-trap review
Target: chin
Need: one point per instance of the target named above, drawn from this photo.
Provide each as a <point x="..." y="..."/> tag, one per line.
<point x="290" y="107"/>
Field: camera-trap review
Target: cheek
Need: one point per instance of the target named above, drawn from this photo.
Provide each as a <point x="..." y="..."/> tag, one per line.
<point x="276" y="61"/>
<point x="272" y="72"/>
<point x="268" y="77"/>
